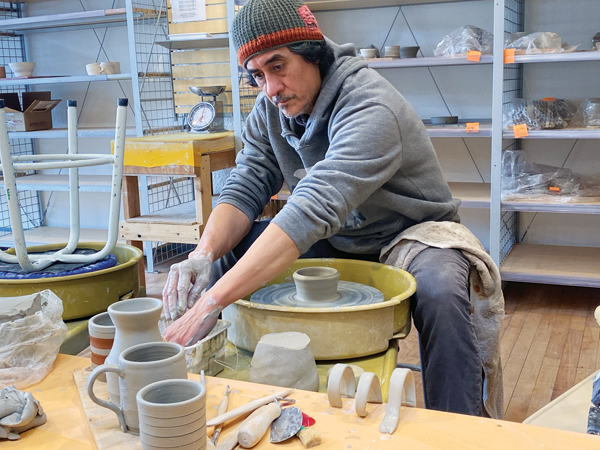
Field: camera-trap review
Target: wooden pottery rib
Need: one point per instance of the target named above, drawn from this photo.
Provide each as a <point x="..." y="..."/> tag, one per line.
<point x="398" y="389"/>
<point x="369" y="390"/>
<point x="340" y="378"/>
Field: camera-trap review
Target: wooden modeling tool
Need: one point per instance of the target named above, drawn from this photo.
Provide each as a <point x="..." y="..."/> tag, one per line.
<point x="252" y="430"/>
<point x="222" y="410"/>
<point x="248" y="407"/>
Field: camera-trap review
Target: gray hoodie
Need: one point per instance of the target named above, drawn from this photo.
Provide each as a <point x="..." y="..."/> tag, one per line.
<point x="363" y="171"/>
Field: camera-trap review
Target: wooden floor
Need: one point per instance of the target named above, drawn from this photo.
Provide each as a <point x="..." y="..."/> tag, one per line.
<point x="550" y="342"/>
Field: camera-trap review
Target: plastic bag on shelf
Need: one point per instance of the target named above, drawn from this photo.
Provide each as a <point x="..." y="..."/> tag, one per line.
<point x="31" y="332"/>
<point x="588" y="114"/>
<point x="538" y="114"/>
<point x="523" y="180"/>
<point x="466" y="38"/>
<point x="532" y="43"/>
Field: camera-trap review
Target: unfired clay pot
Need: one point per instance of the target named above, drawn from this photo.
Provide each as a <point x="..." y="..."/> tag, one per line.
<point x="176" y="401"/>
<point x="317" y="283"/>
<point x="138" y="367"/>
<point x="136" y="322"/>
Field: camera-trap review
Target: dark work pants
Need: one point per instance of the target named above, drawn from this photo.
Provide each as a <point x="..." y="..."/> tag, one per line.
<point x="450" y="362"/>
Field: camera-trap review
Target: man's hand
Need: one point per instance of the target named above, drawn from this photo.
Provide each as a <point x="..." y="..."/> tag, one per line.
<point x="195" y="324"/>
<point x="184" y="285"/>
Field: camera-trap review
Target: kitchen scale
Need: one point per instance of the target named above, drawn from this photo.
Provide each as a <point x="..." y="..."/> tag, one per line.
<point x="206" y="116"/>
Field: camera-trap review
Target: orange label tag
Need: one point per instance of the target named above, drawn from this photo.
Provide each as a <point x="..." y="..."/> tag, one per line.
<point x="555" y="189"/>
<point x="520" y="131"/>
<point x="473" y="127"/>
<point x="549" y="99"/>
<point x="474" y="56"/>
<point x="509" y="56"/>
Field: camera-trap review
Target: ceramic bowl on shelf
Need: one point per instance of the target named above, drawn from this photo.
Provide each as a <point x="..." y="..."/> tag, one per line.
<point x="368" y="53"/>
<point x="22" y="69"/>
<point x="442" y="120"/>
<point x="409" y="52"/>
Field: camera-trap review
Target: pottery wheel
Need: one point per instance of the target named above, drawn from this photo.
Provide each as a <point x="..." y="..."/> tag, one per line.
<point x="351" y="294"/>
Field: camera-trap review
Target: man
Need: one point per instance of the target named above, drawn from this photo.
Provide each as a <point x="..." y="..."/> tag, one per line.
<point x="361" y="169"/>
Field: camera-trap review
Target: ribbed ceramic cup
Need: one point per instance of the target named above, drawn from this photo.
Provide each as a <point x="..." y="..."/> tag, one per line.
<point x="139" y="366"/>
<point x="102" y="336"/>
<point x="172" y="415"/>
<point x="317" y="284"/>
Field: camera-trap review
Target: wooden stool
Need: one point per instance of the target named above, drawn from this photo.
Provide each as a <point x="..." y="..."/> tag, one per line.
<point x="186" y="154"/>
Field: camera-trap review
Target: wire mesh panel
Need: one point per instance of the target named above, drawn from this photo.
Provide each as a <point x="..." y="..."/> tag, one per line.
<point x="12" y="49"/>
<point x="512" y="88"/>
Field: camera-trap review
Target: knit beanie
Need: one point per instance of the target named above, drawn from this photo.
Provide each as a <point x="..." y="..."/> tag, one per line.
<point x="263" y="25"/>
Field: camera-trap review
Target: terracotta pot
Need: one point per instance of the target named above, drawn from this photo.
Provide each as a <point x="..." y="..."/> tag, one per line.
<point x="136" y="322"/>
<point x="102" y="335"/>
<point x="138" y="367"/>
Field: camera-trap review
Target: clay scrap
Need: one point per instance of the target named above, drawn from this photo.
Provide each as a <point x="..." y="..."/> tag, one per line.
<point x="19" y="411"/>
<point x="285" y="359"/>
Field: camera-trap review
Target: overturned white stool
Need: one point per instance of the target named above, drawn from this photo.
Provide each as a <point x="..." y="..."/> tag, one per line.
<point x="12" y="164"/>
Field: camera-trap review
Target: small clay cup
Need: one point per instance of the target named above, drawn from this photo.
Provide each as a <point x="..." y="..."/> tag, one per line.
<point x="392" y="51"/>
<point x="409" y="52"/>
<point x="93" y="69"/>
<point x="22" y="69"/>
<point x="139" y="366"/>
<point x="174" y="401"/>
<point x="102" y="335"/>
<point x="368" y="53"/>
<point x="317" y="284"/>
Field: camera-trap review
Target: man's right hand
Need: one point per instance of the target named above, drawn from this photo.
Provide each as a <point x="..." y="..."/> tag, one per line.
<point x="184" y="285"/>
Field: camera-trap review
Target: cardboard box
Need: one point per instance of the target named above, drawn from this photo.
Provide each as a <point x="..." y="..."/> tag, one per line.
<point x="36" y="113"/>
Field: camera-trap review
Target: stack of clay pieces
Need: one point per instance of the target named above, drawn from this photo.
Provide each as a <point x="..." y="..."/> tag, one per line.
<point x="173" y="415"/>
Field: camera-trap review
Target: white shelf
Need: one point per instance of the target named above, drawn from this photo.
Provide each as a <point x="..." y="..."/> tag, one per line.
<point x="565" y="133"/>
<point x="472" y="195"/>
<point x="193" y="41"/>
<point x="458" y="130"/>
<point x="591" y="206"/>
<point x="552" y="264"/>
<point x="52" y="182"/>
<point x="428" y="61"/>
<point x="333" y="5"/>
<point x="57" y="133"/>
<point x="55" y="235"/>
<point x="23" y="81"/>
<point x="82" y="19"/>
<point x="587" y="55"/>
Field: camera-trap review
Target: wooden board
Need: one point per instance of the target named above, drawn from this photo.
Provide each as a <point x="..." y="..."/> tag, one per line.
<point x="183" y="214"/>
<point x="553" y="264"/>
<point x="207" y="55"/>
<point x="183" y="234"/>
<point x="201" y="71"/>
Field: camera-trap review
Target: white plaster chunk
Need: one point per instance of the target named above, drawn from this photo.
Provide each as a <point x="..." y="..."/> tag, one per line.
<point x="285" y="359"/>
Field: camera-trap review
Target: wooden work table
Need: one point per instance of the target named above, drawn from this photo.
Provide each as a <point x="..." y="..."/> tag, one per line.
<point x="67" y="426"/>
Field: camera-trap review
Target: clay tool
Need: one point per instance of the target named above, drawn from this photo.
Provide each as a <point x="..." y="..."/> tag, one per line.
<point x="231" y="440"/>
<point x="222" y="410"/>
<point x="252" y="430"/>
<point x="248" y="407"/>
<point x="208" y="323"/>
<point x="286" y="426"/>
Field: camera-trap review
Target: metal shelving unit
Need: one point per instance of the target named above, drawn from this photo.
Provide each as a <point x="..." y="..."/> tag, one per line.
<point x="151" y="102"/>
<point x="535" y="263"/>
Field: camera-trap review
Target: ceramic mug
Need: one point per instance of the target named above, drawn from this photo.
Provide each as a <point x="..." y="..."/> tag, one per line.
<point x="172" y="414"/>
<point x="102" y="336"/>
<point x="93" y="69"/>
<point x="138" y="367"/>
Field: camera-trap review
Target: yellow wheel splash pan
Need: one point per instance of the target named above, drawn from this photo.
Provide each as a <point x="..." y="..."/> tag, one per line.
<point x="335" y="333"/>
<point x="87" y="294"/>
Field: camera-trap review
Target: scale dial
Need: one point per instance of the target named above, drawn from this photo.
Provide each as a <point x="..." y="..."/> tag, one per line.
<point x="201" y="116"/>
